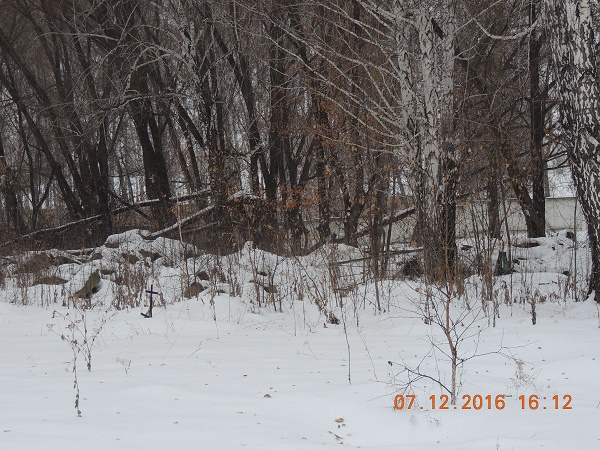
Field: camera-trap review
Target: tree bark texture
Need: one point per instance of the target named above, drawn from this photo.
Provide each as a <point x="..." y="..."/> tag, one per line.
<point x="571" y="25"/>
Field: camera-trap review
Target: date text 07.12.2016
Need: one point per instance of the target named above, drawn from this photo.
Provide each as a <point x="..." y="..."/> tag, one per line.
<point x="479" y="402"/>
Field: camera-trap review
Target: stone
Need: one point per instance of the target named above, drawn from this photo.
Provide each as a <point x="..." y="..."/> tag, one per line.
<point x="193" y="290"/>
<point x="130" y="258"/>
<point x="91" y="286"/>
<point x="152" y="255"/>
<point x="202" y="275"/>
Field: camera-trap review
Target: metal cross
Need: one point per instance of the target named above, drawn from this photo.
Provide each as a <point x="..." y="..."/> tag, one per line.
<point x="151" y="292"/>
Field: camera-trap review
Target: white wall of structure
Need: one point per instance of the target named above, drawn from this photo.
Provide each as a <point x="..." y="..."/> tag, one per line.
<point x="561" y="213"/>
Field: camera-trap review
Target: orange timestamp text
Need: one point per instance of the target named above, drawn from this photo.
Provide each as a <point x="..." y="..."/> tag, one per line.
<point x="478" y="402"/>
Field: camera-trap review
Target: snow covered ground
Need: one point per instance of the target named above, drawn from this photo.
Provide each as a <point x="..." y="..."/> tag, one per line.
<point x="230" y="374"/>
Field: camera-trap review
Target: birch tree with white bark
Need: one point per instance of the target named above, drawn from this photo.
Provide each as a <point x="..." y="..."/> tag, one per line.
<point x="424" y="45"/>
<point x="571" y="24"/>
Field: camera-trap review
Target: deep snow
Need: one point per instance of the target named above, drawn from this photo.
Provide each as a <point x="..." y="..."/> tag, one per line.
<point x="233" y="375"/>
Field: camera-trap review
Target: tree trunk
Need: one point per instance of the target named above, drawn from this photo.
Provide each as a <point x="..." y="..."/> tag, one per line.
<point x="8" y="185"/>
<point x="439" y="169"/>
<point x="571" y="26"/>
<point x="493" y="200"/>
<point x="155" y="171"/>
<point x="537" y="227"/>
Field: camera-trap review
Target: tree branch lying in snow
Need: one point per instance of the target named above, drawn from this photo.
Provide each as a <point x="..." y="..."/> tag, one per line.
<point x="127" y="207"/>
<point x="400" y="215"/>
<point x="181" y="222"/>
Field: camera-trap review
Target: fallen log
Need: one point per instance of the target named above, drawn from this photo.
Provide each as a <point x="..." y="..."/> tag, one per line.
<point x="127" y="207"/>
<point x="181" y="223"/>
